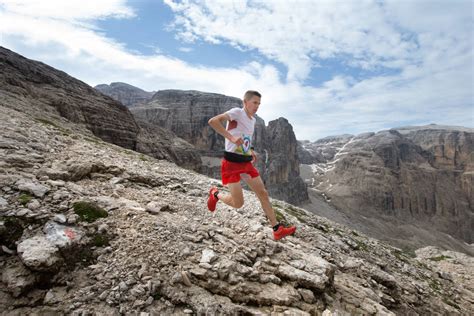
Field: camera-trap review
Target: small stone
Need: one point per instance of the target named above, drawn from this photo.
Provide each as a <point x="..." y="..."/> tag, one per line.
<point x="208" y="256"/>
<point x="188" y="311"/>
<point x="7" y="250"/>
<point x="3" y="202"/>
<point x="37" y="190"/>
<point x="103" y="295"/>
<point x="157" y="207"/>
<point x="72" y="218"/>
<point x="185" y="278"/>
<point x="59" y="218"/>
<point x="138" y="303"/>
<point x="307" y="295"/>
<point x="103" y="228"/>
<point x="149" y="300"/>
<point x="23" y="212"/>
<point x="445" y="275"/>
<point x="123" y="286"/>
<point x="115" y="180"/>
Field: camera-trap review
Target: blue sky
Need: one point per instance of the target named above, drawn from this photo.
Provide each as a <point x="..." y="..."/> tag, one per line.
<point x="328" y="67"/>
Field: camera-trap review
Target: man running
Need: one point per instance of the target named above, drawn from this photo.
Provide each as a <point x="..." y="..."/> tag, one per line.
<point x="238" y="161"/>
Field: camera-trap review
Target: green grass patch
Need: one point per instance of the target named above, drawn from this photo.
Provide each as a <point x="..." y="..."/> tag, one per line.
<point x="434" y="285"/>
<point x="362" y="245"/>
<point x="296" y="213"/>
<point x="142" y="157"/>
<point x="404" y="255"/>
<point x="355" y="233"/>
<point x="25" y="198"/>
<point x="100" y="240"/>
<point x="89" y="211"/>
<point x="440" y="258"/>
<point x="338" y="232"/>
<point x="280" y="217"/>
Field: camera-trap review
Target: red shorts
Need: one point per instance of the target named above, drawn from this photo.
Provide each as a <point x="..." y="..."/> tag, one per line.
<point x="231" y="171"/>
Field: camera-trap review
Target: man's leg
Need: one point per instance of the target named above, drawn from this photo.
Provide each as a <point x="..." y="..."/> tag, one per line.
<point x="236" y="196"/>
<point x="257" y="186"/>
<point x="279" y="231"/>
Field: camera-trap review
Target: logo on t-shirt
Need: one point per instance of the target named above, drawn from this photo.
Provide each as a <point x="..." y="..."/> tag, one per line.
<point x="244" y="149"/>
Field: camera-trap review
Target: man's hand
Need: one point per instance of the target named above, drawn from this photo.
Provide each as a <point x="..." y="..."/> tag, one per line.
<point x="236" y="140"/>
<point x="254" y="157"/>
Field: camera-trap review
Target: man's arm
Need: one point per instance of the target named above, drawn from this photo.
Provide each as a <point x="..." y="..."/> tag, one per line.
<point x="216" y="123"/>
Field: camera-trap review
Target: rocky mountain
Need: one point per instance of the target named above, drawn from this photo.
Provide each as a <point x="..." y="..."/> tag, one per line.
<point x="322" y="150"/>
<point x="88" y="227"/>
<point x="281" y="163"/>
<point x="186" y="114"/>
<point x="126" y="94"/>
<point x="412" y="185"/>
<point x="52" y="96"/>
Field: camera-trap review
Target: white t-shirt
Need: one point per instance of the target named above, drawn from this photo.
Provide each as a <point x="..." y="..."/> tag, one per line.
<point x="240" y="125"/>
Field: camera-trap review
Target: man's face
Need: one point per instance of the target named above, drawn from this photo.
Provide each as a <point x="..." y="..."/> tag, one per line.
<point x="252" y="104"/>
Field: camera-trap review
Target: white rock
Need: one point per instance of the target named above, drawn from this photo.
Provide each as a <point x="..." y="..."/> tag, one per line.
<point x="60" y="218"/>
<point x="7" y="250"/>
<point x="103" y="228"/>
<point x="33" y="205"/>
<point x="37" y="190"/>
<point x="38" y="253"/>
<point x="62" y="236"/>
<point x="208" y="256"/>
<point x="72" y="218"/>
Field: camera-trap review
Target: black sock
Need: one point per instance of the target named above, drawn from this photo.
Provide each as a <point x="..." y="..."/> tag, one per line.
<point x="215" y="194"/>
<point x="275" y="228"/>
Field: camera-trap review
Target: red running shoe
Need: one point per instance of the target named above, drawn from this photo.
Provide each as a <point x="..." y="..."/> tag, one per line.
<point x="283" y="232"/>
<point x="212" y="200"/>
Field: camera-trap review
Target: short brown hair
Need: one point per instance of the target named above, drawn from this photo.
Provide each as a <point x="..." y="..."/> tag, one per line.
<point x="250" y="93"/>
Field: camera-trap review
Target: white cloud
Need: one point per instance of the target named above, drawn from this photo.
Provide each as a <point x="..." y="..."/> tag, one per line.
<point x="429" y="44"/>
<point x="70" y="10"/>
<point x="295" y="32"/>
<point x="185" y="49"/>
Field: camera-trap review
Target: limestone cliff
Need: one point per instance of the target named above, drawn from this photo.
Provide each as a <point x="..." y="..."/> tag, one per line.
<point x="282" y="173"/>
<point x="126" y="94"/>
<point x="45" y="92"/>
<point x="419" y="176"/>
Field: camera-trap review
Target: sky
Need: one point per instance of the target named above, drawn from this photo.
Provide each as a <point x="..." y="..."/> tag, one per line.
<point x="330" y="67"/>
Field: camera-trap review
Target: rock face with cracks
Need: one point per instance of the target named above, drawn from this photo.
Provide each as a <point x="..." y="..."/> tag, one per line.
<point x="53" y="97"/>
<point x="412" y="186"/>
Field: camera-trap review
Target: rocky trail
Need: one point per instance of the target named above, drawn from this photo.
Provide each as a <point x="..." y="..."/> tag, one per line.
<point x="87" y="227"/>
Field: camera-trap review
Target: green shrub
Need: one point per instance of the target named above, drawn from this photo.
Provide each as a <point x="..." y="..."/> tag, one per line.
<point x="25" y="198"/>
<point x="100" y="240"/>
<point x="296" y="213"/>
<point x="89" y="211"/>
<point x="280" y="217"/>
<point x="439" y="258"/>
